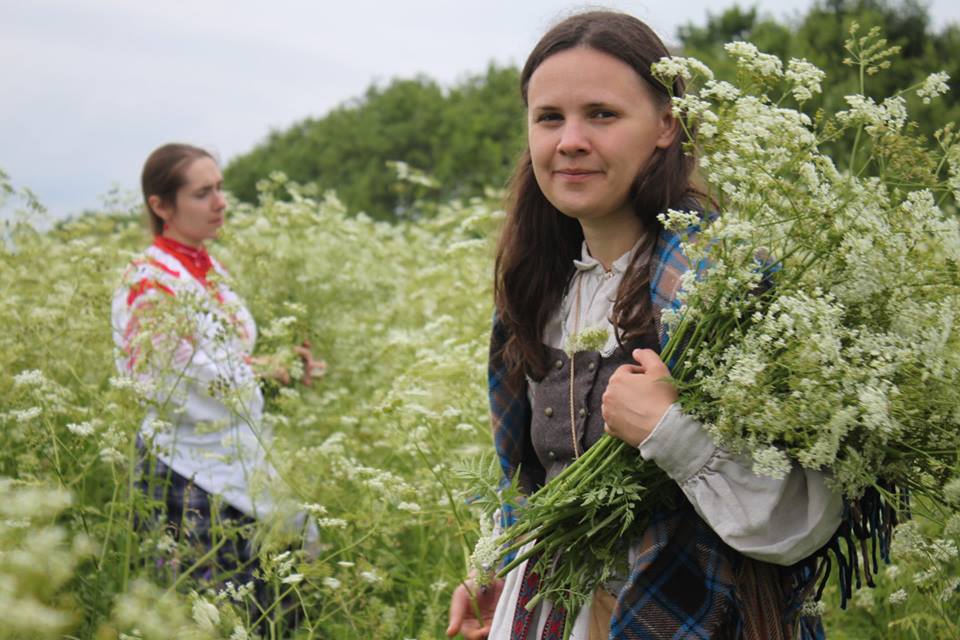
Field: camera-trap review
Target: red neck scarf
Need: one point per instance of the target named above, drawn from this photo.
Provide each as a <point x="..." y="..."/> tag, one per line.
<point x="197" y="261"/>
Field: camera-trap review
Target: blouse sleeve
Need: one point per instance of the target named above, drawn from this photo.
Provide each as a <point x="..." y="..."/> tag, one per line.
<point x="781" y="521"/>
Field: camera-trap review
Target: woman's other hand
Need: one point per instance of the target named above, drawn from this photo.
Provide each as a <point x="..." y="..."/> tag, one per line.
<point x="312" y="368"/>
<point x="463" y="615"/>
<point x="637" y="396"/>
<point x="267" y="368"/>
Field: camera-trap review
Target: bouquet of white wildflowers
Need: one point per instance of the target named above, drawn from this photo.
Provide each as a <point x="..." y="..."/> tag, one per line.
<point x="818" y="325"/>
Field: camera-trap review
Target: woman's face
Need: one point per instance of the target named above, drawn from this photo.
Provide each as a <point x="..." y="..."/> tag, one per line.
<point x="593" y="126"/>
<point x="198" y="211"/>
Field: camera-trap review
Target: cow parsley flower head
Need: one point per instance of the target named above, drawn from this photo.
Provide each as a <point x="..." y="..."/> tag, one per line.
<point x="720" y="90"/>
<point x="750" y="59"/>
<point x="890" y="115"/>
<point x="677" y="220"/>
<point x="110" y="455"/>
<point x="668" y="68"/>
<point x="26" y="415"/>
<point x="29" y="378"/>
<point x="898" y="597"/>
<point x="951" y="492"/>
<point x="331" y="522"/>
<point x="952" y="527"/>
<point x="864" y="598"/>
<point x="81" y="429"/>
<point x="332" y="583"/>
<point x="771" y="462"/>
<point x="805" y="78"/>
<point x="590" y="339"/>
<point x="314" y="509"/>
<point x="205" y="614"/>
<point x="485" y="553"/>
<point x="875" y="409"/>
<point x="812" y="608"/>
<point x="908" y="540"/>
<point x="950" y="589"/>
<point x="935" y="85"/>
<point x="239" y="633"/>
<point x="371" y="576"/>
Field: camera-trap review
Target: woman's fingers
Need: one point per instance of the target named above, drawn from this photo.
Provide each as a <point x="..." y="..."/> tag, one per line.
<point x="650" y="361"/>
<point x="459" y="602"/>
<point x="463" y="618"/>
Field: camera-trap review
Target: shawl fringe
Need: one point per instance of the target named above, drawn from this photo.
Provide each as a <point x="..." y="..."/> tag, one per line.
<point x="861" y="541"/>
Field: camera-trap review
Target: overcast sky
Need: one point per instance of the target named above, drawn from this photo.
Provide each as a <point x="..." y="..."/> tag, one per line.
<point x="90" y="87"/>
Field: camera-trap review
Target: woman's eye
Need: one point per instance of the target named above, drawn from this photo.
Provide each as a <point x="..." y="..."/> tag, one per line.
<point x="549" y="117"/>
<point x="603" y="114"/>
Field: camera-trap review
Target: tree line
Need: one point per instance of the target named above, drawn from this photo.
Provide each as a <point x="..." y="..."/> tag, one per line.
<point x="468" y="136"/>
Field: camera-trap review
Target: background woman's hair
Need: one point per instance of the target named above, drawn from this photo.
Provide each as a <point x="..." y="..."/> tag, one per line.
<point x="534" y="262"/>
<point x="163" y="175"/>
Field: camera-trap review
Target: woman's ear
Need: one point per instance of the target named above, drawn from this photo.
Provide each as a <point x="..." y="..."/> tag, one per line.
<point x="669" y="128"/>
<point x="160" y="208"/>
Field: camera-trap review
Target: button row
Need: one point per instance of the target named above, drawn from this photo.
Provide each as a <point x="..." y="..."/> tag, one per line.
<point x="548" y="411"/>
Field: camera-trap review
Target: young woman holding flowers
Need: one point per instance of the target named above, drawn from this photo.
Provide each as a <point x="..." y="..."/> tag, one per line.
<point x="183" y="332"/>
<point x="582" y="253"/>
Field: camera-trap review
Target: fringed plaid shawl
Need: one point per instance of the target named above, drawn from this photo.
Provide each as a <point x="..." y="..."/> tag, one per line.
<point x="686" y="583"/>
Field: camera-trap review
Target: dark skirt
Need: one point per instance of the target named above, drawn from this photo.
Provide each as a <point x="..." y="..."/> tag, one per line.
<point x="214" y="542"/>
<point x="214" y="538"/>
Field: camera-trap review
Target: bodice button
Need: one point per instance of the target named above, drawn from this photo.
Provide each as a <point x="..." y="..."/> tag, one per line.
<point x="548" y="412"/>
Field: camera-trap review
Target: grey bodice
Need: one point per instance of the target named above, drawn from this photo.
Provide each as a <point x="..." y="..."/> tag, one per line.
<point x="550" y="425"/>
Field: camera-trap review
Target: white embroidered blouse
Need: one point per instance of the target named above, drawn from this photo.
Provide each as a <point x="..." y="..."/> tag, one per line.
<point x="205" y="416"/>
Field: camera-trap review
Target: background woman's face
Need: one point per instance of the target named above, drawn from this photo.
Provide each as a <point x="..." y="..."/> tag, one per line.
<point x="198" y="212"/>
<point x="593" y="126"/>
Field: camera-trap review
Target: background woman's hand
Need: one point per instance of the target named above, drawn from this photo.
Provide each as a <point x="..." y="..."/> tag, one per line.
<point x="312" y="368"/>
<point x="462" y="615"/>
<point x="637" y="396"/>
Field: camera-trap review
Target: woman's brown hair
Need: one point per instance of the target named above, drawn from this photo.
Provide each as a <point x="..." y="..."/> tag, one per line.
<point x="163" y="175"/>
<point x="534" y="262"/>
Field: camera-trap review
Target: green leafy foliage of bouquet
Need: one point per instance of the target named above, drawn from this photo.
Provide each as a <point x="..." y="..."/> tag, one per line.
<point x="818" y="326"/>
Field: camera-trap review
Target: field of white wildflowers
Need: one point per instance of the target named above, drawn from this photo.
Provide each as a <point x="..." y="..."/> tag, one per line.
<point x="384" y="449"/>
<point x="400" y="313"/>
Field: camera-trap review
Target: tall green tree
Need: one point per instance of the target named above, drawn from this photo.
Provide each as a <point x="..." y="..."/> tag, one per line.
<point x="466" y="137"/>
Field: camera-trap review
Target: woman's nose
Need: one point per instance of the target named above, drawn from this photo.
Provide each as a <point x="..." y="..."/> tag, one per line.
<point x="573" y="138"/>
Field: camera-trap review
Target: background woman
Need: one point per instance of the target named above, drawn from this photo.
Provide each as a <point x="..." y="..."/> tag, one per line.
<point x="182" y="330"/>
<point x="582" y="248"/>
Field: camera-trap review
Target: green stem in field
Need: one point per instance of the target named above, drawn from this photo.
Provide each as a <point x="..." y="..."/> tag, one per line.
<point x="272" y="606"/>
<point x="128" y="533"/>
<point x="856" y="140"/>
<point x="453" y="505"/>
<point x="460" y="526"/>
<point x="106" y="537"/>
<point x="196" y="565"/>
<point x="56" y="452"/>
